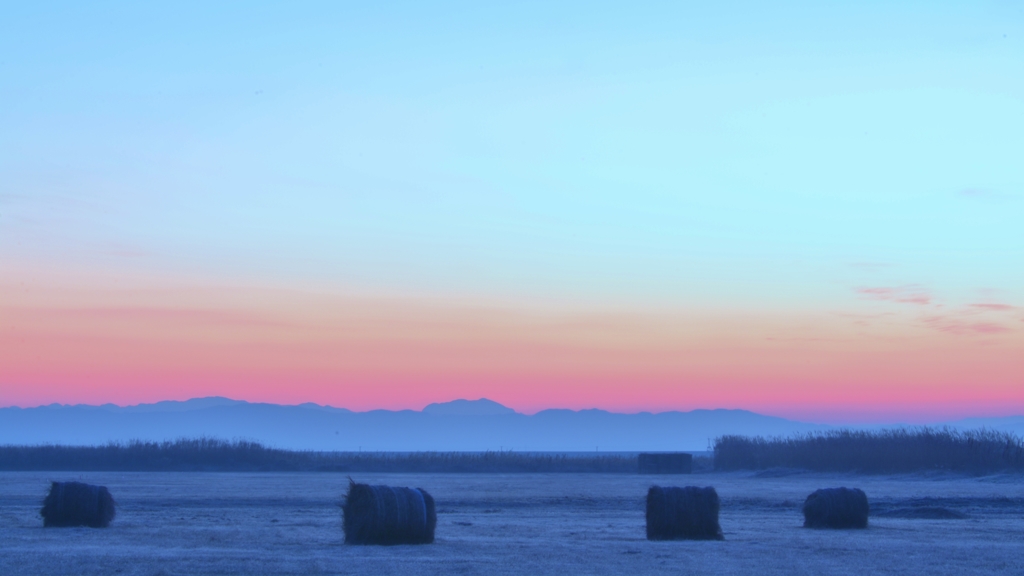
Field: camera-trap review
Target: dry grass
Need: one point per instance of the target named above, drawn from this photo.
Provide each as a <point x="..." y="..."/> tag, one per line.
<point x="214" y="455"/>
<point x="877" y="452"/>
<point x="288" y="523"/>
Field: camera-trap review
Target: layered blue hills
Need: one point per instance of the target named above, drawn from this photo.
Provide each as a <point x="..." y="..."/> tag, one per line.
<point x="460" y="425"/>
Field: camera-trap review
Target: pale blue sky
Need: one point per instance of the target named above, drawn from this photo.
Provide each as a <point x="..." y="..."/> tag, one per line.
<point x="737" y="155"/>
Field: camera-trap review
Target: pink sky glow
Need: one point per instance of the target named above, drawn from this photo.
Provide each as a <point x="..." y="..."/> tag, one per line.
<point x="144" y="345"/>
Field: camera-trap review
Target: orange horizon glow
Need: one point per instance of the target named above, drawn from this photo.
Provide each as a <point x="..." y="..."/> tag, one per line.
<point x="808" y="212"/>
<point x="138" y="345"/>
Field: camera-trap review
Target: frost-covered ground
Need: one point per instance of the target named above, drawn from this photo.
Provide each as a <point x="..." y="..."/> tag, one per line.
<point x="232" y="523"/>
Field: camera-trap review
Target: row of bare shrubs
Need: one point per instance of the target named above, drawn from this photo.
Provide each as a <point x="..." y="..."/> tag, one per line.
<point x="875" y="452"/>
<point x="214" y="455"/>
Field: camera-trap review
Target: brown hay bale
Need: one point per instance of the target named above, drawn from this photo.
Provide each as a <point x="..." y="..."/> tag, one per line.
<point x="665" y="463"/>
<point x="388" y="515"/>
<point x="836" y="508"/>
<point x="689" y="513"/>
<point x="77" y="504"/>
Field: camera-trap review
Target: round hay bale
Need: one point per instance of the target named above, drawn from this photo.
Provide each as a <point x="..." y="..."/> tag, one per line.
<point x="836" y="508"/>
<point x="77" y="504"/>
<point x="388" y="515"/>
<point x="689" y="513"/>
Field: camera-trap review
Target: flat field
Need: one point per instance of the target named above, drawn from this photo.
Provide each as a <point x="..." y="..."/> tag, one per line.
<point x="290" y="523"/>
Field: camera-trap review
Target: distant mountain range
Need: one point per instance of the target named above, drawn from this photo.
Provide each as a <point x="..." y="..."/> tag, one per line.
<point x="460" y="425"/>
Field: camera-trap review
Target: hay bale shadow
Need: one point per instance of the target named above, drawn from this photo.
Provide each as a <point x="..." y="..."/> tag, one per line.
<point x="779" y="472"/>
<point x="923" y="513"/>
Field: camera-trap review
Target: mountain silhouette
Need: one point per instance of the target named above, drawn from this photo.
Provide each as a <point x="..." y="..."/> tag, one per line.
<point x="459" y="425"/>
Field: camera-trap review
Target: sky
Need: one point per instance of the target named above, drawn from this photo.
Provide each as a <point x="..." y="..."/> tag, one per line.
<point x="805" y="209"/>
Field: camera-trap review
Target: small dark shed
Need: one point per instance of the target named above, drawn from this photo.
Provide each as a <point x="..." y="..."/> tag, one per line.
<point x="665" y="463"/>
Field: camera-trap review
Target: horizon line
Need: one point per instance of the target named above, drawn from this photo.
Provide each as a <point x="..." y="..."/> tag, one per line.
<point x="935" y="421"/>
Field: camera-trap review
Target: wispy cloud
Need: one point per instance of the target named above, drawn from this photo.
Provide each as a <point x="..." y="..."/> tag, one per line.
<point x="993" y="307"/>
<point x="909" y="294"/>
<point x="9" y="197"/>
<point x="864" y="319"/>
<point x="126" y="253"/>
<point x="983" y="194"/>
<point x="976" y="192"/>
<point x="871" y="265"/>
<point x="959" y="327"/>
<point x="978" y="318"/>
